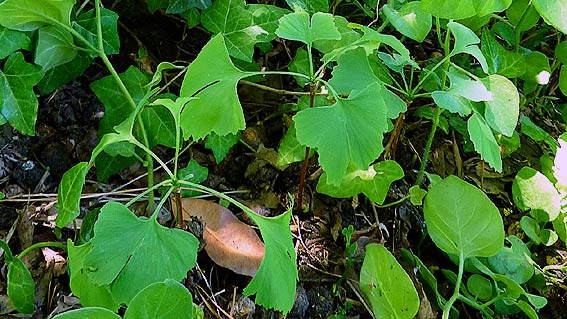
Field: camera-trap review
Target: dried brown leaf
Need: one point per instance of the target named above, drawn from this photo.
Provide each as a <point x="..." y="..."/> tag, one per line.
<point x="229" y="242"/>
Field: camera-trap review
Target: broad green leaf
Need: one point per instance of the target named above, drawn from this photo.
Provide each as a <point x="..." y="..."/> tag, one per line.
<point x="275" y="291"/>
<point x="290" y="150"/>
<point x="462" y="220"/>
<point x="90" y="294"/>
<point x="537" y="68"/>
<point x="300" y="64"/>
<point x="29" y="15"/>
<point x="154" y="5"/>
<point x="560" y="52"/>
<point x="194" y="173"/>
<point x="501" y="61"/>
<point x="531" y="228"/>
<point x="349" y="131"/>
<point x="85" y="24"/>
<point x="298" y="26"/>
<point x="241" y="25"/>
<point x="452" y="102"/>
<point x="536" y="133"/>
<point x="532" y="190"/>
<point x="466" y="42"/>
<point x="21" y="287"/>
<point x="374" y="182"/>
<point x="57" y="76"/>
<point x="553" y="12"/>
<point x="353" y="61"/>
<point x="160" y="126"/>
<point x="484" y="142"/>
<point x="522" y="14"/>
<point x="410" y="20"/>
<point x="54" y="47"/>
<point x="180" y="6"/>
<point x="12" y="41"/>
<point x="468" y="88"/>
<point x="69" y="194"/>
<point x="449" y="9"/>
<point x="563" y="80"/>
<point x="348" y="36"/>
<point x="480" y="287"/>
<point x="216" y="108"/>
<point x="503" y="111"/>
<point x="486" y="7"/>
<point x="220" y="145"/>
<point x="144" y="253"/>
<point x="88" y="313"/>
<point x="386" y="284"/>
<point x="548" y="237"/>
<point x="164" y="300"/>
<point x="19" y="102"/>
<point x="513" y="261"/>
<point x="310" y="6"/>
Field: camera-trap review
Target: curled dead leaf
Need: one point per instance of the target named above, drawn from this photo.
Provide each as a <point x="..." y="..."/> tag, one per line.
<point x="229" y="242"/>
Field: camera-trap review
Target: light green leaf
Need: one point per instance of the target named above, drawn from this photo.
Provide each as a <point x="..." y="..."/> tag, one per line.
<point x="522" y="14"/>
<point x="69" y="194"/>
<point x="349" y="131"/>
<point x="563" y="80"/>
<point x="158" y="75"/>
<point x="536" y="133"/>
<point x="271" y="291"/>
<point x="88" y="313"/>
<point x="387" y="285"/>
<point x="348" y="36"/>
<point x="144" y="253"/>
<point x="531" y="228"/>
<point x="449" y="9"/>
<point x="29" y="15"/>
<point x="513" y="261"/>
<point x="163" y="300"/>
<point x="12" y="41"/>
<point x="416" y="195"/>
<point x="21" y="287"/>
<point x="503" y="111"/>
<point x="85" y="24"/>
<point x="290" y="150"/>
<point x="464" y="86"/>
<point x="553" y="12"/>
<point x="480" y="287"/>
<point x="466" y="42"/>
<point x="62" y="74"/>
<point x="300" y="64"/>
<point x="452" y="103"/>
<point x="310" y="6"/>
<point x="484" y="142"/>
<point x="410" y="20"/>
<point x="533" y="191"/>
<point x="216" y="108"/>
<point x="462" y="220"/>
<point x="298" y="27"/>
<point x="54" y="47"/>
<point x="374" y="182"/>
<point x="561" y="52"/>
<point x="560" y="164"/>
<point x="501" y="61"/>
<point x="180" y="6"/>
<point x="19" y="103"/>
<point x="538" y="70"/>
<point x="220" y="145"/>
<point x="354" y="61"/>
<point x="241" y="25"/>
<point x="486" y="7"/>
<point x="90" y="294"/>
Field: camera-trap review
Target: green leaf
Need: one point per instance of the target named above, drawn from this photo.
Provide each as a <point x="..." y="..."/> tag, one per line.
<point x="452" y="102"/>
<point x="298" y="27"/>
<point x="85" y="24"/>
<point x="349" y="131"/>
<point x="560" y="166"/>
<point x="59" y="75"/>
<point x="537" y="68"/>
<point x="355" y="60"/>
<point x="484" y="142"/>
<point x="275" y="291"/>
<point x="216" y="108"/>
<point x="220" y="145"/>
<point x="563" y="80"/>
<point x="480" y="287"/>
<point x="513" y="261"/>
<point x="466" y="42"/>
<point x="160" y="126"/>
<point x="522" y="14"/>
<point x="503" y="111"/>
<point x="180" y="6"/>
<point x="69" y="194"/>
<point x="164" y="300"/>
<point x="88" y="313"/>
<point x="464" y="86"/>
<point x="553" y="12"/>
<point x="348" y="36"/>
<point x="449" y="9"/>
<point x="29" y="15"/>
<point x="54" y="47"/>
<point x="19" y="103"/>
<point x="194" y="173"/>
<point x="410" y="20"/>
<point x="462" y="220"/>
<point x="532" y="190"/>
<point x="144" y="253"/>
<point x="416" y="195"/>
<point x="374" y="182"/>
<point x="387" y="285"/>
<point x="241" y="25"/>
<point x="501" y="61"/>
<point x="21" y="287"/>
<point x="531" y="228"/>
<point x="12" y="41"/>
<point x="290" y="150"/>
<point x="561" y="52"/>
<point x="310" y="6"/>
<point x="90" y="294"/>
<point x="300" y="64"/>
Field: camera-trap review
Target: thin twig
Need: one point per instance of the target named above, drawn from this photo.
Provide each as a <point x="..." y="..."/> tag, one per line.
<point x="278" y="91"/>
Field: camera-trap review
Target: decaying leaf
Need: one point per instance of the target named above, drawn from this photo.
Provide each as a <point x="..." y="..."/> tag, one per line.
<point x="229" y="242"/>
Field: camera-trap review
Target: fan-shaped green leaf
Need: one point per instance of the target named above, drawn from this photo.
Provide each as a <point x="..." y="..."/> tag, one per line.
<point x="298" y="26"/>
<point x="163" y="300"/>
<point x="410" y="20"/>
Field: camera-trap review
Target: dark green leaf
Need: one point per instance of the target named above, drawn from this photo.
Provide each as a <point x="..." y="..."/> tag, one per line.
<point x="85" y="24"/>
<point x="531" y="228"/>
<point x="62" y="74"/>
<point x="194" y="173"/>
<point x="179" y="6"/>
<point x="69" y="194"/>
<point x="220" y="145"/>
<point x="29" y="15"/>
<point x="12" y="41"/>
<point x="513" y="261"/>
<point x="21" y="287"/>
<point x="54" y="47"/>
<point x="501" y="61"/>
<point x="522" y="14"/>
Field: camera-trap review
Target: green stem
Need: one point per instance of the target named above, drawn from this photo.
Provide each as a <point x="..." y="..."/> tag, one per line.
<point x="399" y="201"/>
<point x="164" y="199"/>
<point x="456" y="293"/>
<point x="142" y="194"/>
<point x="152" y="154"/>
<point x="41" y="245"/>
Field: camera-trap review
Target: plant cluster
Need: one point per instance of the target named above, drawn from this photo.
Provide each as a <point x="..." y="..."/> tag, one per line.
<point x="354" y="84"/>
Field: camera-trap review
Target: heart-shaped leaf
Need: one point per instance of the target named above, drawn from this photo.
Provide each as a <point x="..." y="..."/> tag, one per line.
<point x="163" y="300"/>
